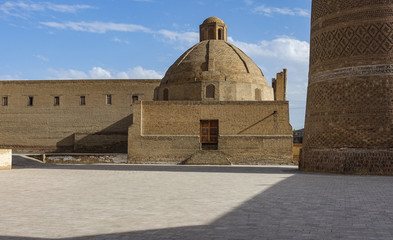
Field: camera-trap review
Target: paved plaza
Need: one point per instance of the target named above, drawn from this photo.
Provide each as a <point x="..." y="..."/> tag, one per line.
<point x="41" y="201"/>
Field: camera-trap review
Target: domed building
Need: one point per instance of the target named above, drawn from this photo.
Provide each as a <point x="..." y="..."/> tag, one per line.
<point x="213" y="63"/>
<point x="213" y="106"/>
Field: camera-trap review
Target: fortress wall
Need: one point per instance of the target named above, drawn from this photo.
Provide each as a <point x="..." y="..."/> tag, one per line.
<point x="93" y="127"/>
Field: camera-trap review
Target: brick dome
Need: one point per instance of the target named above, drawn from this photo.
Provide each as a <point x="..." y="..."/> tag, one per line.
<point x="214" y="61"/>
<point x="213" y="20"/>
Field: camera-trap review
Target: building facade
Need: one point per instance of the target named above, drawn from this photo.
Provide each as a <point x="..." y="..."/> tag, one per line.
<point x="213" y="106"/>
<point x="69" y="115"/>
<point x="349" y="115"/>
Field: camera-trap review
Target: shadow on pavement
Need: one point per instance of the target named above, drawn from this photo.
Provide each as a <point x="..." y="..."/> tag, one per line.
<point x="23" y="162"/>
<point x="304" y="206"/>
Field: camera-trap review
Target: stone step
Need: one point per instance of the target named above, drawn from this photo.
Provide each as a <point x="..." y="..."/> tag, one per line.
<point x="208" y="157"/>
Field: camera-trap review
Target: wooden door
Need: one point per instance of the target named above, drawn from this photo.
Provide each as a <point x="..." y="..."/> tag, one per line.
<point x="209" y="131"/>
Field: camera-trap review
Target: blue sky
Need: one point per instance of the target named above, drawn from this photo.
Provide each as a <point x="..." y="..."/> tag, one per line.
<point x="141" y="38"/>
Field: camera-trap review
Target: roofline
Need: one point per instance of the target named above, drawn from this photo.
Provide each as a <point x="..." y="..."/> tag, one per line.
<point x="79" y="81"/>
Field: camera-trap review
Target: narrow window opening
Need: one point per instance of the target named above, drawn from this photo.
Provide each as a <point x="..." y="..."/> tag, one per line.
<point x="134" y="98"/>
<point x="82" y="100"/>
<point x="109" y="99"/>
<point x="5" y="101"/>
<point x="210" y="91"/>
<point x="57" y="101"/>
<point x="219" y="34"/>
<point x="166" y="94"/>
<point x="31" y="101"/>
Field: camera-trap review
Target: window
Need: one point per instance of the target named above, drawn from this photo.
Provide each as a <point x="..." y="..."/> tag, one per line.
<point x="134" y="98"/>
<point x="166" y="94"/>
<point x="219" y="34"/>
<point x="5" y="101"/>
<point x="109" y="99"/>
<point x="31" y="101"/>
<point x="56" y="101"/>
<point x="82" y="100"/>
<point x="210" y="90"/>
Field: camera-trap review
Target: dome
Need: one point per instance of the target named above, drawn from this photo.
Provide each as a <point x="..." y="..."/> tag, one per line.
<point x="214" y="70"/>
<point x="214" y="60"/>
<point x="213" y="20"/>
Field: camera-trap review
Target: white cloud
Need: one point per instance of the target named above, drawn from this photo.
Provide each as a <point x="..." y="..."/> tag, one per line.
<point x="248" y="2"/>
<point x="118" y="40"/>
<point x="67" y="74"/>
<point x="101" y="73"/>
<point x="25" y="8"/>
<point x="284" y="47"/>
<point x="182" y="37"/>
<point x="10" y="77"/>
<point x="97" y="27"/>
<point x="42" y="58"/>
<point x="269" y="11"/>
<point x="140" y="73"/>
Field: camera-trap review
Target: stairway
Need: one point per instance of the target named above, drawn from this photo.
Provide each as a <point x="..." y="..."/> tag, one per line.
<point x="207" y="157"/>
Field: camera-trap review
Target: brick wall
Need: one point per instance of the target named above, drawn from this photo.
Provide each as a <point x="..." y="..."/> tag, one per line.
<point x="93" y="127"/>
<point x="249" y="132"/>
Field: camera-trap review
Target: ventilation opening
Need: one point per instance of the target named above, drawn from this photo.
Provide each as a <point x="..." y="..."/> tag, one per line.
<point x="30" y="101"/>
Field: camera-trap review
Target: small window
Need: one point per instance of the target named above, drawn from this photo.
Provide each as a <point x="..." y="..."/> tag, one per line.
<point x="219" y="34"/>
<point x="31" y="101"/>
<point x="210" y="91"/>
<point x="82" y="100"/>
<point x="5" y="101"/>
<point x="166" y="94"/>
<point x="56" y="101"/>
<point x="134" y="98"/>
<point x="109" y="99"/>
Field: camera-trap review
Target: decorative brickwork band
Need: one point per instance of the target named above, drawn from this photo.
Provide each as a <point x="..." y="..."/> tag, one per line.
<point x="371" y="41"/>
<point x="349" y="161"/>
<point x="359" y="71"/>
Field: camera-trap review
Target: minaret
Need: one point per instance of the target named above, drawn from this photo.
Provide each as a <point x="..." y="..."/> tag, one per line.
<point x="213" y="28"/>
<point x="349" y="115"/>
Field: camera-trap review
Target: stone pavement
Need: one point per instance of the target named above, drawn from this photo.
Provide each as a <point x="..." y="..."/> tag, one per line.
<point x="190" y="202"/>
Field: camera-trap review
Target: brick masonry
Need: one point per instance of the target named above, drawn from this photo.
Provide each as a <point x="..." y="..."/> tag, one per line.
<point x="249" y="132"/>
<point x="349" y="115"/>
<point x="69" y="126"/>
